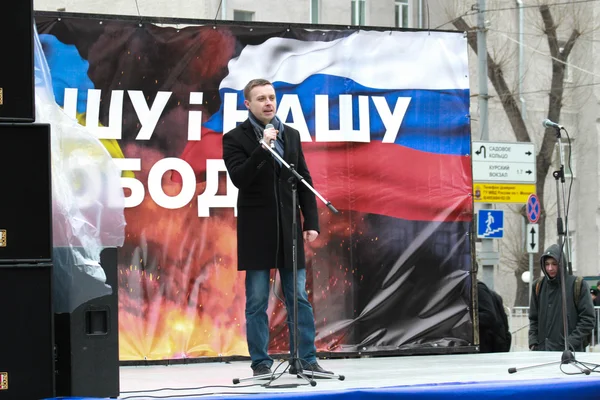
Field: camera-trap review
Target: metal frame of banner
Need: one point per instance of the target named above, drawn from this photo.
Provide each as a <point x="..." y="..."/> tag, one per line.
<point x="216" y="22"/>
<point x="409" y="351"/>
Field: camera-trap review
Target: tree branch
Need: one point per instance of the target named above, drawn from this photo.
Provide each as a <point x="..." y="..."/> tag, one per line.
<point x="496" y="76"/>
<point x="555" y="96"/>
<point x="570" y="43"/>
<point x="550" y="31"/>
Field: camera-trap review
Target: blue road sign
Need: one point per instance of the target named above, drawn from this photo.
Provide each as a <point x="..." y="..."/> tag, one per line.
<point x="490" y="224"/>
<point x="533" y="208"/>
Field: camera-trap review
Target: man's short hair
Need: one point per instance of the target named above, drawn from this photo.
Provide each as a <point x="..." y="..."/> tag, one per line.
<point x="252" y="84"/>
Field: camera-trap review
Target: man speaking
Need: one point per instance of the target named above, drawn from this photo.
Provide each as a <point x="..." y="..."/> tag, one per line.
<point x="264" y="223"/>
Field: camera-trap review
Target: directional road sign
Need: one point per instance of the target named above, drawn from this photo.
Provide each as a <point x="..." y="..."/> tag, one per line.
<point x="490" y="224"/>
<point x="504" y="162"/>
<point x="533" y="209"/>
<point x="502" y="192"/>
<point x="532" y="241"/>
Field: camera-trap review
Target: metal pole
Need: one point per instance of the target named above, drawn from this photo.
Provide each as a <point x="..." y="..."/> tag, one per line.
<point x="525" y="236"/>
<point x="530" y="274"/>
<point x="567" y="241"/>
<point x="487" y="245"/>
<point x="521" y="21"/>
<point x="521" y="57"/>
<point x="224" y="10"/>
<point x="482" y="72"/>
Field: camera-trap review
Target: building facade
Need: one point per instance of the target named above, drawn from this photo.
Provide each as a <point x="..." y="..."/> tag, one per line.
<point x="386" y="13"/>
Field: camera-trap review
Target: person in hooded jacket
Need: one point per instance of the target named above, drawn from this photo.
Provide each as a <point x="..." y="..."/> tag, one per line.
<point x="546" y="331"/>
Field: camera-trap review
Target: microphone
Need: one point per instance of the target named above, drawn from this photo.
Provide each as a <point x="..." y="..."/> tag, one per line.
<point x="272" y="144"/>
<point x="549" y="124"/>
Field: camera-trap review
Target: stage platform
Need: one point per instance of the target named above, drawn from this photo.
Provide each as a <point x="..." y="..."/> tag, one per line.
<point x="460" y="376"/>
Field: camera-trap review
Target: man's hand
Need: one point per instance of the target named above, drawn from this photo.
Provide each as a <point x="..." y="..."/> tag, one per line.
<point x="533" y="347"/>
<point x="269" y="135"/>
<point x="309" y="236"/>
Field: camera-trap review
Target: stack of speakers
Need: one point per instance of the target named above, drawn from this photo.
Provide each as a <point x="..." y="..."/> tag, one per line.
<point x="26" y="336"/>
<point x="42" y="354"/>
<point x="27" y="333"/>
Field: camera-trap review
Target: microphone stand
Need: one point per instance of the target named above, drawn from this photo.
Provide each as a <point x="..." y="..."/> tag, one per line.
<point x="297" y="176"/>
<point x="295" y="359"/>
<point x="567" y="355"/>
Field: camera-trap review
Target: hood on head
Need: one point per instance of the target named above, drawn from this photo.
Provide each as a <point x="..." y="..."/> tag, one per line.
<point x="554" y="252"/>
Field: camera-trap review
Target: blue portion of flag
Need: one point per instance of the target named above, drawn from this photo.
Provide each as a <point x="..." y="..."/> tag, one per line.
<point x="436" y="121"/>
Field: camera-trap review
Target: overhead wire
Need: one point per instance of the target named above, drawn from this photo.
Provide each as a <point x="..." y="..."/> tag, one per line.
<point x="475" y="11"/>
<point x="218" y="9"/>
<point x="545" y="54"/>
<point x="550" y="56"/>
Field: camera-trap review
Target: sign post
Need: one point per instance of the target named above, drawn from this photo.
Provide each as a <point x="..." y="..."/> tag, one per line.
<point x="533" y="208"/>
<point x="502" y="192"/>
<point x="490" y="224"/>
<point x="512" y="162"/>
<point x="503" y="172"/>
<point x="532" y="238"/>
<point x="532" y="234"/>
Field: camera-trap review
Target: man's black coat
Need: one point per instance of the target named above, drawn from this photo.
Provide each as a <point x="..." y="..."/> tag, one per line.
<point x="264" y="221"/>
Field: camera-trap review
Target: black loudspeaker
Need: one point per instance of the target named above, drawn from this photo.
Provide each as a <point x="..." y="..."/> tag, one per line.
<point x="87" y="338"/>
<point x="25" y="198"/>
<point x="16" y="69"/>
<point x="26" y="333"/>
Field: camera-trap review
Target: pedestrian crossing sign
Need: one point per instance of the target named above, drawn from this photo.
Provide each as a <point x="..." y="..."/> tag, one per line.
<point x="490" y="224"/>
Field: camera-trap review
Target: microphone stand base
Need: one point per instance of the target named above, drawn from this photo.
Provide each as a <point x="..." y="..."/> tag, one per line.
<point x="567" y="357"/>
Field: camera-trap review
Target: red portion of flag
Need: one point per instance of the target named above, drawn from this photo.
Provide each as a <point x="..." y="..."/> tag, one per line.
<point x="389" y="179"/>
<point x="196" y="153"/>
<point x="377" y="178"/>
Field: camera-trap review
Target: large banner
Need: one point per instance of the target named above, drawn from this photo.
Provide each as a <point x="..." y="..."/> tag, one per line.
<point x="384" y="119"/>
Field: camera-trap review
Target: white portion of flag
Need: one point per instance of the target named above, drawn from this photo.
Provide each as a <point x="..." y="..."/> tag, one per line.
<point x="379" y="60"/>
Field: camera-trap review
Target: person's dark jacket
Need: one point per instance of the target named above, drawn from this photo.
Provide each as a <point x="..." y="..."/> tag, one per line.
<point x="264" y="204"/>
<point x="545" y="311"/>
<point x="494" y="334"/>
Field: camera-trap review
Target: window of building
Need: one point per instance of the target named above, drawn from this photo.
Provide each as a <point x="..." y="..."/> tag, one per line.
<point x="239" y="15"/>
<point x="569" y="158"/>
<point x="358" y="12"/>
<point x="403" y="15"/>
<point x="315" y="9"/>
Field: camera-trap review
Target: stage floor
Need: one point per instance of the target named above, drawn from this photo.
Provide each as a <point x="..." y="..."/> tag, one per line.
<point x="432" y="376"/>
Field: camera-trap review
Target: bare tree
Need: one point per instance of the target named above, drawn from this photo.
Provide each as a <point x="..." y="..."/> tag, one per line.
<point x="510" y="104"/>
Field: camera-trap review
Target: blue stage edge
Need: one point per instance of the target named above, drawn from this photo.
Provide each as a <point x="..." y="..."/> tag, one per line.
<point x="542" y="389"/>
<point x="537" y="375"/>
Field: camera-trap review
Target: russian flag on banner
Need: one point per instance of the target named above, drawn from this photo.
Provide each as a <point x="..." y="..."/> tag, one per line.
<point x="384" y="117"/>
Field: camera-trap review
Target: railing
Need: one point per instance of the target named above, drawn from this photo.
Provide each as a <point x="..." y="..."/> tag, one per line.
<point x="518" y="320"/>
